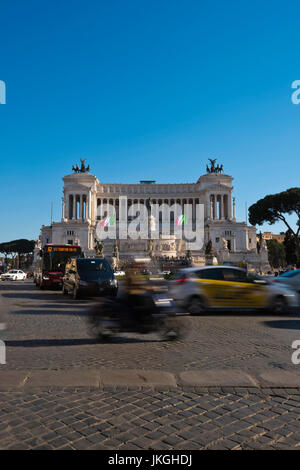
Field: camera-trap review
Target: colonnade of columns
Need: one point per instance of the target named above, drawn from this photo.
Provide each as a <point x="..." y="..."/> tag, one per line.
<point x="77" y="207"/>
<point x="219" y="206"/>
<point x="154" y="201"/>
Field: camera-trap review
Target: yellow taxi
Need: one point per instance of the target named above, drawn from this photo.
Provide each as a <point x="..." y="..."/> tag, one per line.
<point x="201" y="289"/>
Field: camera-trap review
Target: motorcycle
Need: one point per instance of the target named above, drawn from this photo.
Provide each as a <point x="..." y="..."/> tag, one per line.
<point x="144" y="314"/>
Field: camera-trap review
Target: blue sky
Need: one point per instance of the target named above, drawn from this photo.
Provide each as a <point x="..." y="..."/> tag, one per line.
<point x="145" y="90"/>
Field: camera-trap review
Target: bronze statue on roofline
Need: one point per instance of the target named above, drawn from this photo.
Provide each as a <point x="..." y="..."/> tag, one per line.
<point x="82" y="169"/>
<point x="214" y="168"/>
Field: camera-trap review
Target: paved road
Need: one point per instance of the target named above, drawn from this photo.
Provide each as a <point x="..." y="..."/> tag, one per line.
<point x="47" y="331"/>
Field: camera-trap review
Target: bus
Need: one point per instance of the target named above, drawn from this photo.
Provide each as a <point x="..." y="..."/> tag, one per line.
<point x="51" y="262"/>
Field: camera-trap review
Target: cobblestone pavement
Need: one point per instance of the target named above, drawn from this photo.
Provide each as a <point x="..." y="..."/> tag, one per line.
<point x="48" y="330"/>
<point x="150" y="419"/>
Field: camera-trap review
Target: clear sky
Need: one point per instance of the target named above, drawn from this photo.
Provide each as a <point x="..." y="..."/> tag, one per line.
<point x="145" y="90"/>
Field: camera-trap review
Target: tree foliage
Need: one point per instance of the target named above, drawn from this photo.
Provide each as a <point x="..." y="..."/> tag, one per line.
<point x="290" y="248"/>
<point x="21" y="247"/>
<point x="275" y="208"/>
<point x="276" y="254"/>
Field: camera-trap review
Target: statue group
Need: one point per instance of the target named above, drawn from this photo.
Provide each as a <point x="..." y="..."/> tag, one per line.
<point x="82" y="169"/>
<point x="214" y="168"/>
<point x="98" y="247"/>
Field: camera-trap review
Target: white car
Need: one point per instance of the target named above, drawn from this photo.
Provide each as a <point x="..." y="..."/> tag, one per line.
<point x="14" y="275"/>
<point x="291" y="278"/>
<point x="119" y="273"/>
<point x="203" y="289"/>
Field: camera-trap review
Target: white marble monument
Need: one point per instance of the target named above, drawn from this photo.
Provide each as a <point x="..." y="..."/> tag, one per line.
<point x="83" y="195"/>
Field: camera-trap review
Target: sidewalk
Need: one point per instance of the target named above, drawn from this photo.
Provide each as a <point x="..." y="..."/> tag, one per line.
<point x="143" y="417"/>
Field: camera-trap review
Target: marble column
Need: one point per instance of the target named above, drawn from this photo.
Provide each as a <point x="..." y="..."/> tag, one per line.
<point x="229" y="205"/>
<point x="208" y="206"/>
<point x="63" y="208"/>
<point x="69" y="215"/>
<point x="215" y="207"/>
<point x="80" y="206"/>
<point x="74" y="207"/>
<point x="194" y="210"/>
<point x="89" y="206"/>
<point x="220" y="206"/>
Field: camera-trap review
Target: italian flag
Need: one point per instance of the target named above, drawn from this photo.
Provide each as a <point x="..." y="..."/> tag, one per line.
<point x="180" y="220"/>
<point x="108" y="222"/>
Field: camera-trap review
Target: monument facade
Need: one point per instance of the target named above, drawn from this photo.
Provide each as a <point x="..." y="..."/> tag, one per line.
<point x="84" y="195"/>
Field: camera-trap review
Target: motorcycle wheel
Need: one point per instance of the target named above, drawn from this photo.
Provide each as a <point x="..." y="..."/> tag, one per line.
<point x="98" y="331"/>
<point x="173" y="329"/>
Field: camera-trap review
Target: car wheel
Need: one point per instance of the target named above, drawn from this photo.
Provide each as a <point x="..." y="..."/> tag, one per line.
<point x="279" y="306"/>
<point x="196" y="306"/>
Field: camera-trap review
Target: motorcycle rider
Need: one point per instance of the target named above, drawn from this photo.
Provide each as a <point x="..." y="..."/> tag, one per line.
<point x="137" y="296"/>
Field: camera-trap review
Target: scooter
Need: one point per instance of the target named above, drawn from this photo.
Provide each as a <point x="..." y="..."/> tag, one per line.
<point x="144" y="313"/>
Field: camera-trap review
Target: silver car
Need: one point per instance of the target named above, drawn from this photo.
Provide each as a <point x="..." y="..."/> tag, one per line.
<point x="291" y="278"/>
<point x="207" y="288"/>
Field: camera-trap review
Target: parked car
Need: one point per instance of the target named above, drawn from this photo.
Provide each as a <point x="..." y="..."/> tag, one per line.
<point x="290" y="278"/>
<point x="89" y="276"/>
<point x="119" y="273"/>
<point x="14" y="275"/>
<point x="207" y="288"/>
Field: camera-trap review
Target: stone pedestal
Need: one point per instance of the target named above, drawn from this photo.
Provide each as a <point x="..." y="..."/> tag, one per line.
<point x="211" y="260"/>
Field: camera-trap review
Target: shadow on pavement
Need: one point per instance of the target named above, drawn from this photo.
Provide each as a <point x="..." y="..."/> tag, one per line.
<point x="283" y="324"/>
<point x="37" y="343"/>
<point x="47" y="311"/>
<point x="41" y="295"/>
<point x="248" y="314"/>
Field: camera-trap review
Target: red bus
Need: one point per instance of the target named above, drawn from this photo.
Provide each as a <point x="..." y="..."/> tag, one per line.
<point x="50" y="266"/>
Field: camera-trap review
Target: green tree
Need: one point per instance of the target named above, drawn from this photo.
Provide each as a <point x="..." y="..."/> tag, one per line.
<point x="18" y="247"/>
<point x="276" y="254"/>
<point x="276" y="207"/>
<point x="290" y="248"/>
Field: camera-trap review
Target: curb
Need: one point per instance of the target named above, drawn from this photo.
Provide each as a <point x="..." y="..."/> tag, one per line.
<point x="131" y="379"/>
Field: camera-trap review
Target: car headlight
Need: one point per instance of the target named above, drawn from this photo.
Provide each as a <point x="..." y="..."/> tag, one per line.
<point x="83" y="283"/>
<point x="45" y="278"/>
